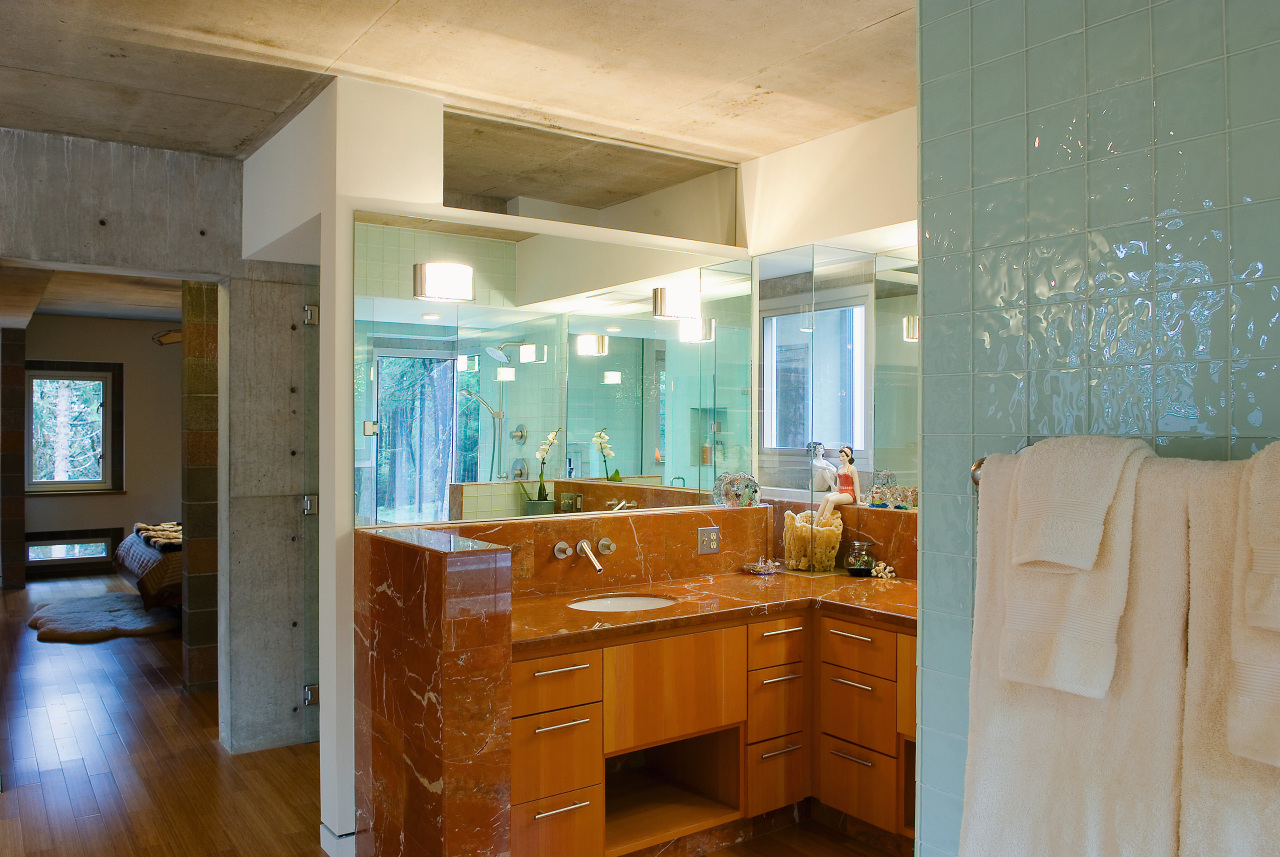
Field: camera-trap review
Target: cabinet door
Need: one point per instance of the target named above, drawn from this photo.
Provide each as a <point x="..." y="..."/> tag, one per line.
<point x="780" y="641"/>
<point x="775" y="702"/>
<point x="777" y="773"/>
<point x="568" y="825"/>
<point x="859" y="708"/>
<point x="855" y="780"/>
<point x="857" y="647"/>
<point x="556" y="752"/>
<point x="665" y="689"/>
<point x="907" y="686"/>
<point x="559" y="681"/>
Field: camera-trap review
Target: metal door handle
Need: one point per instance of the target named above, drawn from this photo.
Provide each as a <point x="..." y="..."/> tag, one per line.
<point x="852" y="684"/>
<point x="562" y="809"/>
<point x="782" y="678"/>
<point x="561" y="670"/>
<point x="782" y="631"/>
<point x="850" y="758"/>
<point x="787" y="749"/>
<point x="562" y="725"/>
<point x="855" y="636"/>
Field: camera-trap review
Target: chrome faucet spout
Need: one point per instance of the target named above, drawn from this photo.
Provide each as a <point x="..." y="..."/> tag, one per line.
<point x="584" y="549"/>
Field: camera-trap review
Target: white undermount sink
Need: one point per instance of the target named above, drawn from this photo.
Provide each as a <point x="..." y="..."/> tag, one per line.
<point x="621" y="603"/>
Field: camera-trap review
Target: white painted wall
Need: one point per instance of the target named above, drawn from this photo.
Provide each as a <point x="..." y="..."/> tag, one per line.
<point x="550" y="266"/>
<point x="855" y="180"/>
<point x="152" y="421"/>
<point x="701" y="209"/>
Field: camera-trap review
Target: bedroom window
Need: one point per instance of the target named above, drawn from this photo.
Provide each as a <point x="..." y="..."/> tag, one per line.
<point x="69" y="431"/>
<point x="68" y="550"/>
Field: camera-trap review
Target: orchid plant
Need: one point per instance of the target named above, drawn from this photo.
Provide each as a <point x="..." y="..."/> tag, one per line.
<point x="541" y="455"/>
<point x="601" y="440"/>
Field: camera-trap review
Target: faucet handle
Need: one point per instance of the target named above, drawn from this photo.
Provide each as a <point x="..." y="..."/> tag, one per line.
<point x="606" y="546"/>
<point x="562" y="550"/>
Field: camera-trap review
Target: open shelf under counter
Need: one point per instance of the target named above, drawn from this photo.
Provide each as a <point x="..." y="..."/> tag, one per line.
<point x="644" y="808"/>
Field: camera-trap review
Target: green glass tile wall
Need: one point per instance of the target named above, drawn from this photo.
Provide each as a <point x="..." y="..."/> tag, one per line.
<point x="1100" y="205"/>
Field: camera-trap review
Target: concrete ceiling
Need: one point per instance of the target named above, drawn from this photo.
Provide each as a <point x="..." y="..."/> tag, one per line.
<point x="709" y="79"/>
<point x="25" y="291"/>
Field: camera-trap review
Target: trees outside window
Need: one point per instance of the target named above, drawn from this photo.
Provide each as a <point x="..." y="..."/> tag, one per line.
<point x="68" y="431"/>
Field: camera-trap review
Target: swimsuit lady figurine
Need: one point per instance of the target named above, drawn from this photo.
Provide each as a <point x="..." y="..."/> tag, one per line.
<point x="847" y="488"/>
<point x="824" y="472"/>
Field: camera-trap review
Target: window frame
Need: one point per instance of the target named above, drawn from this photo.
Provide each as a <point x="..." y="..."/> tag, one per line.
<point x="111" y="376"/>
<point x="105" y="540"/>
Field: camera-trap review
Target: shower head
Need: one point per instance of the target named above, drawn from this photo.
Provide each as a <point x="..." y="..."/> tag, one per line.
<point x="497" y="354"/>
<point x="471" y="394"/>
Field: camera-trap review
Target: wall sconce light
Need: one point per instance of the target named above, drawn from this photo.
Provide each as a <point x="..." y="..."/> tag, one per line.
<point x="506" y="373"/>
<point x="468" y="362"/>
<point x="698" y="330"/>
<point x="430" y="316"/>
<point x="443" y="281"/>
<point x="612" y="378"/>
<point x="911" y="328"/>
<point x="613" y="330"/>
<point x="683" y="304"/>
<point x="533" y="354"/>
<point x="593" y="345"/>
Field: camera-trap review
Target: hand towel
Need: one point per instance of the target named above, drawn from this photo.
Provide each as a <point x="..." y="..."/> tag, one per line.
<point x="1060" y="629"/>
<point x="1066" y="485"/>
<point x="1056" y="775"/>
<point x="1262" y="583"/>
<point x="1230" y="804"/>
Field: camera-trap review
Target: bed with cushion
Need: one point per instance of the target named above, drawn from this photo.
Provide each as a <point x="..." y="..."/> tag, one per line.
<point x="151" y="559"/>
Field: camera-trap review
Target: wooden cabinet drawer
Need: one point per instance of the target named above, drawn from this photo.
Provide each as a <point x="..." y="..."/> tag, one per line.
<point x="777" y="773"/>
<point x="778" y="642"/>
<point x="855" y="780"/>
<point x="556" y="751"/>
<point x="567" y="825"/>
<point x="660" y="690"/>
<point x="859" y="708"/>
<point x="775" y="702"/>
<point x="556" y="682"/>
<point x="857" y="647"/>
<point x="907" y="686"/>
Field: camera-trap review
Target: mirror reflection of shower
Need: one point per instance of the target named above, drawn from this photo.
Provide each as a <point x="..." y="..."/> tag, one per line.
<point x="496" y="414"/>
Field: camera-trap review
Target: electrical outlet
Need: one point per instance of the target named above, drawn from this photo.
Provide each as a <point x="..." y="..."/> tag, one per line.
<point x="708" y="540"/>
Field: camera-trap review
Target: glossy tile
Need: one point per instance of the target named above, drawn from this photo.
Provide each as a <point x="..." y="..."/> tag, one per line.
<point x="932" y="10"/>
<point x="1000" y="277"/>
<point x="1000" y="403"/>
<point x="944" y="704"/>
<point x="1254" y="173"/>
<point x="997" y="29"/>
<point x="945" y="165"/>
<point x="1119" y="51"/>
<point x="1192" y="398"/>
<point x="939" y="819"/>
<point x="1057" y="335"/>
<point x="947" y="404"/>
<point x="1121" y="119"/>
<point x="1195" y="448"/>
<point x="1006" y="444"/>
<point x="1244" y="448"/>
<point x="946" y="582"/>
<point x="1000" y="151"/>
<point x="1255" y="318"/>
<point x="949" y="527"/>
<point x="945" y="642"/>
<point x="944" y="344"/>
<point x="1120" y="400"/>
<point x="945" y="105"/>
<point x="999" y="340"/>
<point x="1255" y="397"/>
<point x="949" y="281"/>
<point x="1185" y="32"/>
<point x="1192" y="324"/>
<point x="999" y="89"/>
<point x="1255" y="251"/>
<point x="947" y="224"/>
<point x="1000" y="214"/>
<point x="1056" y="203"/>
<point x="1251" y="23"/>
<point x="1192" y="250"/>
<point x="1055" y="71"/>
<point x="1121" y="259"/>
<point x="942" y="761"/>
<point x="944" y="46"/>
<point x="1120" y="189"/>
<point x="1056" y="136"/>
<point x="1097" y="11"/>
<point x="1191" y="176"/>
<point x="1058" y="402"/>
<point x="1189" y="102"/>
<point x="1048" y="19"/>
<point x="945" y="462"/>
<point x="1121" y="330"/>
<point x="1057" y="268"/>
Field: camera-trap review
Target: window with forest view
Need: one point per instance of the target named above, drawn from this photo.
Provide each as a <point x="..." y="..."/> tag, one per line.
<point x="68" y="437"/>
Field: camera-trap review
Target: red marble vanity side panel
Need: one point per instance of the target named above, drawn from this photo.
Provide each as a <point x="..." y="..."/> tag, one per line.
<point x="433" y="707"/>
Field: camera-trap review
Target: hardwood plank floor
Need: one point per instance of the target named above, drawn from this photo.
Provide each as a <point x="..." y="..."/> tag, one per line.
<point x="805" y="840"/>
<point x="103" y="755"/>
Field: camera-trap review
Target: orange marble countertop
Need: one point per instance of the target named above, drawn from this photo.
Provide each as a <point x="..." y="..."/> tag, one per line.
<point x="546" y="621"/>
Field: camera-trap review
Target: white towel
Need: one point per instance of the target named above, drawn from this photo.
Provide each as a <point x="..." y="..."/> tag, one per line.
<point x="1056" y="775"/>
<point x="1060" y="629"/>
<point x="1065" y="487"/>
<point x="1230" y="804"/>
<point x="1262" y="583"/>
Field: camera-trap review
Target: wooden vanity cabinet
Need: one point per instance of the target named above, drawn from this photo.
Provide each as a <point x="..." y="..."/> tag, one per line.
<point x="566" y="825"/>
<point x="778" y="713"/>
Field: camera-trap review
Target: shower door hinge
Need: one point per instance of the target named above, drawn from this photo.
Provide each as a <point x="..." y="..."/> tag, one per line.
<point x="310" y="314"/>
<point x="311" y="694"/>
<point x="310" y="504"/>
<point x="370" y="428"/>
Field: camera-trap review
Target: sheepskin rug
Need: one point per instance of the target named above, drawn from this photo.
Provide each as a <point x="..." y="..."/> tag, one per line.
<point x="102" y="617"/>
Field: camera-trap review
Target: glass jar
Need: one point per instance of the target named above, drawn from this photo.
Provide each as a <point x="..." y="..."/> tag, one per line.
<point x="859" y="560"/>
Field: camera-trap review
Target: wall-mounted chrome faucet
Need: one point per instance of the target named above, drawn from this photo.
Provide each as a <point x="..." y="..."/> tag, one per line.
<point x="584" y="549"/>
<point x="605" y="546"/>
<point x="620" y="505"/>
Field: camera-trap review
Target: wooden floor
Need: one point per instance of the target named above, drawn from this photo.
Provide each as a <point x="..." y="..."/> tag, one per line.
<point x="807" y="840"/>
<point x="103" y="754"/>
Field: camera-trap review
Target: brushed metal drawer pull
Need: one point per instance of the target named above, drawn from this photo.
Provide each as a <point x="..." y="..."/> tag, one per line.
<point x="850" y="758"/>
<point x="782" y="631"/>
<point x="782" y="678"/>
<point x="562" y="809"/>
<point x="789" y="748"/>
<point x="562" y="670"/>
<point x="562" y="725"/>
<point x="852" y="684"/>
<point x="855" y="636"/>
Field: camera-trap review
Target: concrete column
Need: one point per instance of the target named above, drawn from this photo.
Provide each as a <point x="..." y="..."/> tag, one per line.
<point x="13" y="485"/>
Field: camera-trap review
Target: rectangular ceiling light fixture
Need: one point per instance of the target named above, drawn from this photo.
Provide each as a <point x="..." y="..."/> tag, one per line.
<point x="468" y="362"/>
<point x="911" y="328"/>
<point x="533" y="354"/>
<point x="698" y="330"/>
<point x="681" y="303"/>
<point x="593" y="345"/>
<point x="443" y="281"/>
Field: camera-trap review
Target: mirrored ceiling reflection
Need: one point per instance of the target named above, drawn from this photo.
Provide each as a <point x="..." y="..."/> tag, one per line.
<point x="453" y="400"/>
